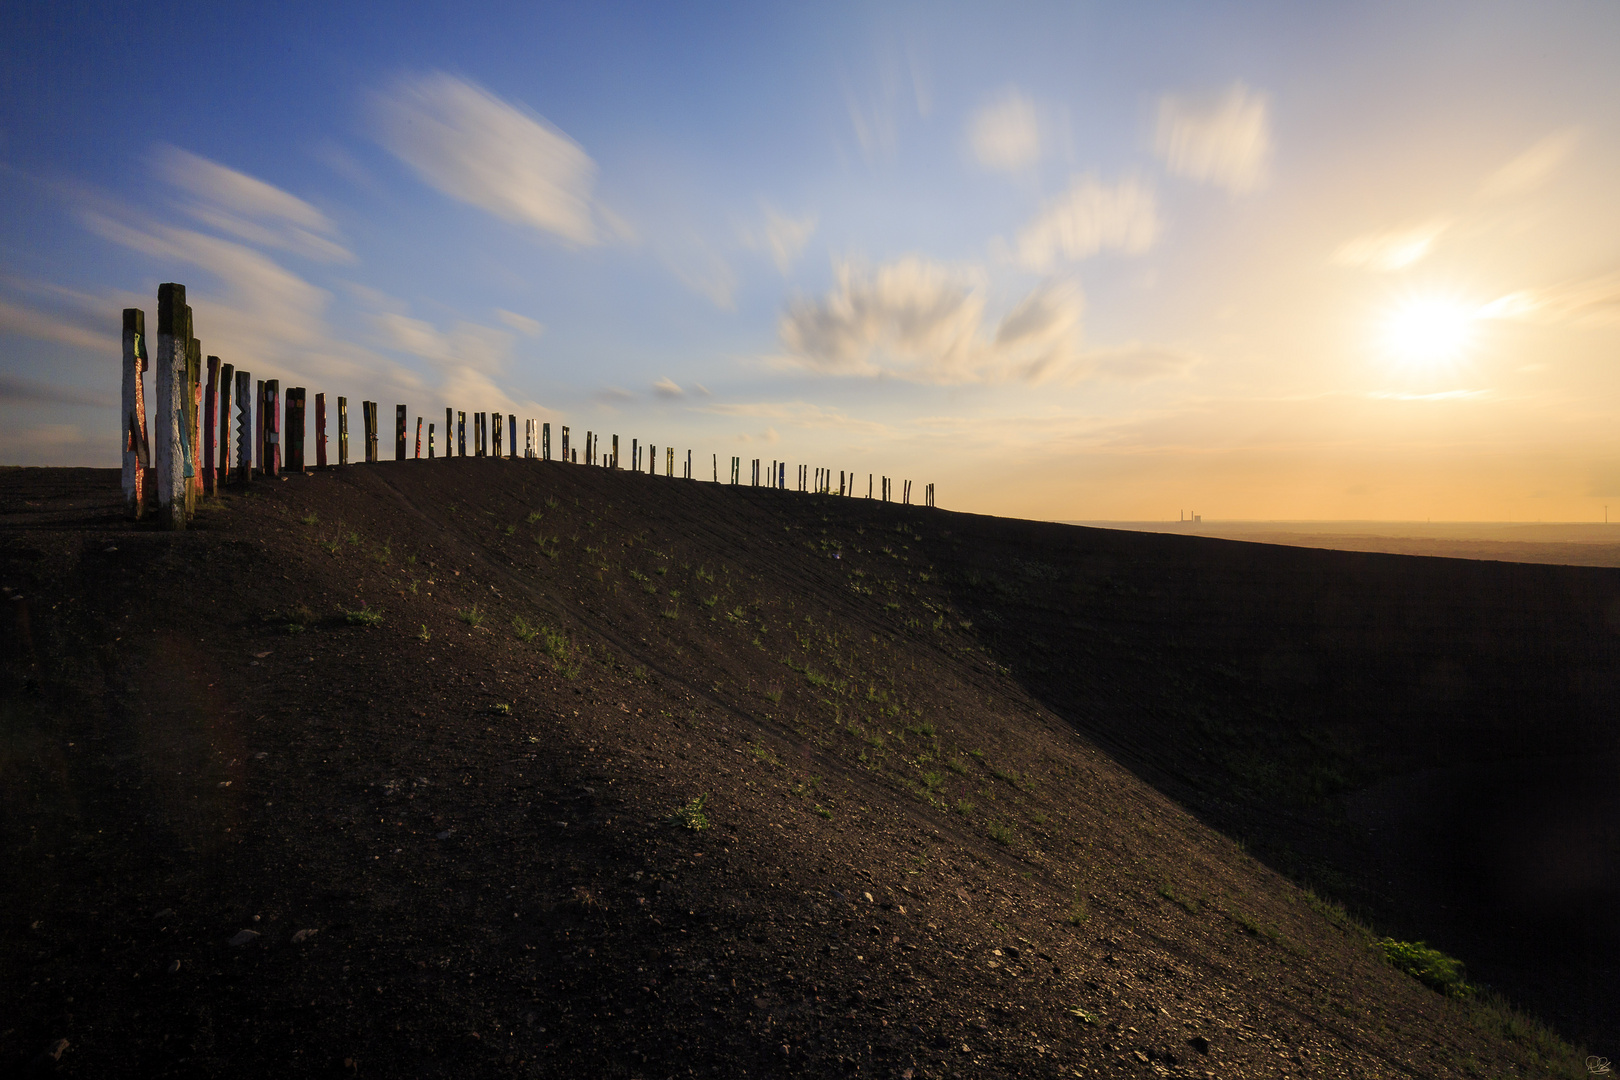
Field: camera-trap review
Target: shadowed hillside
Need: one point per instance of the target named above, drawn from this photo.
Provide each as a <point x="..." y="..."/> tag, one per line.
<point x="510" y="768"/>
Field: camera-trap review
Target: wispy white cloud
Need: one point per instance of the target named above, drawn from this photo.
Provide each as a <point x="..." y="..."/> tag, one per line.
<point x="800" y="414"/>
<point x="1224" y="140"/>
<point x="1136" y="362"/>
<point x="782" y="237"/>
<point x="472" y="146"/>
<point x="1392" y="249"/>
<point x="1589" y="301"/>
<point x="41" y="325"/>
<point x="250" y="209"/>
<point x="667" y="389"/>
<point x="1088" y="218"/>
<point x="521" y="323"/>
<point x="1005" y="134"/>
<point x="1532" y="168"/>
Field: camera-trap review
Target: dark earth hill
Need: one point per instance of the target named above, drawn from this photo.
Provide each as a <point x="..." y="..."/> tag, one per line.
<point x="491" y="768"/>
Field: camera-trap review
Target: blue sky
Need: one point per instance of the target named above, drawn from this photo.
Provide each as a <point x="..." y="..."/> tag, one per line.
<point x="1072" y="261"/>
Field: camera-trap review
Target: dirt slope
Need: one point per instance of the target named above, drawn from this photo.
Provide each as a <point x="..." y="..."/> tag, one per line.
<point x="424" y="729"/>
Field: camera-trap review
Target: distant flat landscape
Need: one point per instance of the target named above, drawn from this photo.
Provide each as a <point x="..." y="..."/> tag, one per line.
<point x="1560" y="543"/>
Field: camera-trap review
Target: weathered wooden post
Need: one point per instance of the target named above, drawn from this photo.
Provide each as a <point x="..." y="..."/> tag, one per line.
<point x="418" y="438"/>
<point x="244" y="427"/>
<point x="137" y="452"/>
<point x="669" y="462"/>
<point x="258" y="425"/>
<point x="343" y="431"/>
<point x="461" y="434"/>
<point x="449" y="427"/>
<point x="399" y="432"/>
<point x="480" y="433"/>
<point x="372" y="419"/>
<point x="272" y="427"/>
<point x="293" y="444"/>
<point x="495" y="436"/>
<point x="320" y="431"/>
<point x="564" y="434"/>
<point x="430" y="442"/>
<point x="210" y="416"/>
<point x="227" y="379"/>
<point x="168" y="414"/>
<point x="511" y="432"/>
<point x="193" y="403"/>
<point x="615" y="451"/>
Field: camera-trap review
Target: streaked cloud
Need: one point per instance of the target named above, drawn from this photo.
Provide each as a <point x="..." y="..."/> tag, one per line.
<point x="250" y="209"/>
<point x="41" y="325"/>
<point x="667" y="389"/>
<point x="925" y="322"/>
<point x="1136" y="362"/>
<point x="800" y="414"/>
<point x="1005" y="135"/>
<point x="474" y="147"/>
<point x="1224" y="140"/>
<point x="1391" y="250"/>
<point x="1088" y="218"/>
<point x="1532" y="168"/>
<point x="1588" y="301"/>
<point x="16" y="390"/>
<point x="521" y="323"/>
<point x="782" y="237"/>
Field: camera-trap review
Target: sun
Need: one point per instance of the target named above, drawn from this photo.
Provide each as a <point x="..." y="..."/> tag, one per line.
<point x="1430" y="332"/>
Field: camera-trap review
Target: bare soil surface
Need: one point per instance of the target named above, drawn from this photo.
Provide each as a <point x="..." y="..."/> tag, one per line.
<point x="393" y="770"/>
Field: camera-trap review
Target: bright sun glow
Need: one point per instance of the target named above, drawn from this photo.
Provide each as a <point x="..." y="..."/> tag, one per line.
<point x="1430" y="331"/>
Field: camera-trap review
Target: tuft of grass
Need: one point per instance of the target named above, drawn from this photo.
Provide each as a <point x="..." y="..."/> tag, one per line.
<point x="424" y="635"/>
<point x="711" y="601"/>
<point x="670" y="614"/>
<point x="691" y="816"/>
<point x="311" y="518"/>
<point x="1008" y="775"/>
<point x="1079" y="911"/>
<point x="976" y="753"/>
<point x="1431" y="967"/>
<point x="1081" y="1015"/>
<point x="551" y="503"/>
<point x="957" y="765"/>
<point x="534" y="516"/>
<point x="774" y="695"/>
<point x="965" y="807"/>
<point x="331" y="546"/>
<point x="364" y="617"/>
<point x="523" y="630"/>
<point x="510" y="529"/>
<point x="1190" y="904"/>
<point x="471" y="616"/>
<point x="934" y="780"/>
<point x="501" y="710"/>
<point x="824" y="812"/>
<point x="1000" y="832"/>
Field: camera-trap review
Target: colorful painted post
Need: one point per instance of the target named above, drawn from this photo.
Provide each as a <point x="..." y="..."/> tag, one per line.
<point x="258" y="425"/>
<point x="399" y="432"/>
<point x="244" y="427"/>
<point x="320" y="431"/>
<point x="168" y="413"/>
<point x="373" y="422"/>
<point x="210" y="415"/>
<point x="293" y="442"/>
<point x="481" y="434"/>
<point x="194" y="477"/>
<point x="272" y="427"/>
<point x="227" y="379"/>
<point x="430" y="442"/>
<point x="449" y="426"/>
<point x="461" y="434"/>
<point x="137" y="451"/>
<point x="343" y="431"/>
<point x="495" y="436"/>
<point x="418" y="438"/>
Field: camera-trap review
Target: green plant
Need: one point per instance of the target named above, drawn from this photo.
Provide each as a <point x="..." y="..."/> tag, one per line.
<point x="691" y="816"/>
<point x="934" y="780"/>
<point x="364" y="617"/>
<point x="964" y="807"/>
<point x="1080" y="1014"/>
<point x="295" y="628"/>
<point x="551" y="503"/>
<point x="424" y="635"/>
<point x="957" y="765"/>
<point x="311" y="518"/>
<point x="999" y="832"/>
<point x="1079" y="911"/>
<point x="1189" y="904"/>
<point x="773" y="695"/>
<point x="331" y="546"/>
<point x="1431" y="967"/>
<point x="824" y="812"/>
<point x="670" y="614"/>
<point x="711" y="601"/>
<point x="534" y="516"/>
<point x="501" y="710"/>
<point x="976" y="753"/>
<point x="637" y="575"/>
<point x="510" y="529"/>
<point x="471" y="615"/>
<point x="523" y="630"/>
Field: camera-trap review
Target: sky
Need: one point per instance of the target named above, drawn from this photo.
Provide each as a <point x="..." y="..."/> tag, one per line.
<point x="1078" y="261"/>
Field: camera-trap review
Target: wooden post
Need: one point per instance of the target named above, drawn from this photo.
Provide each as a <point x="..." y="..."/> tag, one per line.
<point x="320" y="431"/>
<point x="272" y="427"/>
<point x="399" y="432"/>
<point x="461" y="434"/>
<point x="343" y="431"/>
<point x="449" y="426"/>
<point x="564" y="434"/>
<point x="418" y="438"/>
<point x="615" y="451"/>
<point x="368" y="411"/>
<point x="669" y="462"/>
<point x="430" y="442"/>
<point x="495" y="449"/>
<point x="244" y="427"/>
<point x="209" y="417"/>
<point x="167" y="414"/>
<point x="511" y="434"/>
<point x="137" y="452"/>
<point x="227" y="380"/>
<point x="258" y="425"/>
<point x="293" y="431"/>
<point x="193" y="403"/>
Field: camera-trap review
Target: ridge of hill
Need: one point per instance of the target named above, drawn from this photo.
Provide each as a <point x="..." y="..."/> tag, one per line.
<point x="530" y="769"/>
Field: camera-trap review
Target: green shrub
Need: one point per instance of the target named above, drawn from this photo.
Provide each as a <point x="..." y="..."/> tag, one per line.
<point x="471" y="615"/>
<point x="523" y="630"/>
<point x="1431" y="967"/>
<point x="364" y="617"/>
<point x="691" y="816"/>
